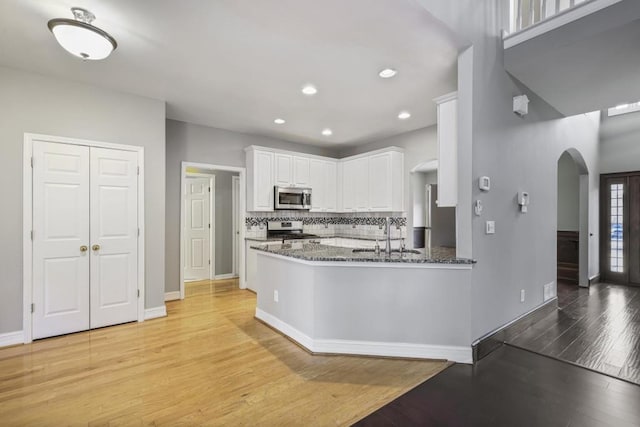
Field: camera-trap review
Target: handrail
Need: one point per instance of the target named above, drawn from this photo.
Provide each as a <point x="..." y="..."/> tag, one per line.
<point x="525" y="13"/>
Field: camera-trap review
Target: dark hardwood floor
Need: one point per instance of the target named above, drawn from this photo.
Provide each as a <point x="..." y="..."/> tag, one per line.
<point x="597" y="328"/>
<point x="514" y="387"/>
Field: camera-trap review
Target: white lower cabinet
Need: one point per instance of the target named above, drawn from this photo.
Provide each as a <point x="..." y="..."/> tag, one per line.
<point x="251" y="265"/>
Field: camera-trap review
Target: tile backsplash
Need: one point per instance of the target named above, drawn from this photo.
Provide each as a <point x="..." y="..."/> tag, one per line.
<point x="329" y="224"/>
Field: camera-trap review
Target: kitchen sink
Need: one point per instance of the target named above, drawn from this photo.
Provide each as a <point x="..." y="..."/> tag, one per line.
<point x="382" y="252"/>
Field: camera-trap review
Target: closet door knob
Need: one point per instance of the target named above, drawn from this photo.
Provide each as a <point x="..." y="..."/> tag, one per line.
<point x="83" y="248"/>
<point x="95" y="247"/>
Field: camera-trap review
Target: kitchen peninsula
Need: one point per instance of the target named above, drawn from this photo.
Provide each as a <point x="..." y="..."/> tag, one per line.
<point x="353" y="301"/>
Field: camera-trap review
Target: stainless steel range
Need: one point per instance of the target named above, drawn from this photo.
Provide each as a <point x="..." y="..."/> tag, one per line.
<point x="287" y="230"/>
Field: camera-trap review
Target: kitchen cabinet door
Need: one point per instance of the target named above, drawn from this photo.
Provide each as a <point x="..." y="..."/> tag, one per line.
<point x="317" y="178"/>
<point x="330" y="195"/>
<point x="260" y="180"/>
<point x="283" y="170"/>
<point x="380" y="180"/>
<point x="361" y="184"/>
<point x="301" y="171"/>
<point x="349" y="186"/>
<point x="447" y="113"/>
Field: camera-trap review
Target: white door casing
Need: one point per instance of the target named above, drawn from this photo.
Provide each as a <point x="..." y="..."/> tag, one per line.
<point x="235" y="195"/>
<point x="114" y="236"/>
<point x="198" y="228"/>
<point x="60" y="239"/>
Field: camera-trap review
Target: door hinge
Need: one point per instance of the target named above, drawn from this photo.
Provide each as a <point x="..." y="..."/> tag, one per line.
<point x="209" y="226"/>
<point x="138" y="170"/>
<point x="32" y="161"/>
<point x="209" y="189"/>
<point x="138" y="293"/>
<point x="33" y="308"/>
<point x="209" y="262"/>
<point x="32" y="235"/>
<point x="138" y="232"/>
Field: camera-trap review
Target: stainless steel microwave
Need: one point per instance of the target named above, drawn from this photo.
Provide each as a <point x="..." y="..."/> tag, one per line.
<point x="292" y="198"/>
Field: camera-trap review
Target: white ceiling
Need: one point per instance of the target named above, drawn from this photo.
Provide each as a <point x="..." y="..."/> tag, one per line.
<point x="239" y="64"/>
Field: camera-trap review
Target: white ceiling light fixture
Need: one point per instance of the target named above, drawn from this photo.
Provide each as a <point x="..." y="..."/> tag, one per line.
<point x="404" y="115"/>
<point x="80" y="38"/>
<point x="387" y="73"/>
<point x="309" y="90"/>
<point x="327" y="132"/>
<point x="279" y="121"/>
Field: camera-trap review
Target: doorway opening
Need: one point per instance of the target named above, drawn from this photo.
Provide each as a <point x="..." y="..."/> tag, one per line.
<point x="573" y="219"/>
<point x="211" y="219"/>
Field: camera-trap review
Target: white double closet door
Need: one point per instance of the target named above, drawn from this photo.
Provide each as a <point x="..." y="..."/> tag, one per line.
<point x="85" y="242"/>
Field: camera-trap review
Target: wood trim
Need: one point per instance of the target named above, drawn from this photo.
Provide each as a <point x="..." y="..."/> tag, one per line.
<point x="11" y="338"/>
<point x="492" y="341"/>
<point x="155" y="312"/>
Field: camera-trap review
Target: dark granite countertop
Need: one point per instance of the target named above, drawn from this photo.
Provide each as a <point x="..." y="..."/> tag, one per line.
<point x="317" y="252"/>
<point x="333" y="236"/>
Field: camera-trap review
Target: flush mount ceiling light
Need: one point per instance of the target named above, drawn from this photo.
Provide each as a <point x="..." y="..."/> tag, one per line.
<point x="387" y="73"/>
<point x="404" y="115"/>
<point x="80" y="38"/>
<point x="327" y="132"/>
<point x="279" y="121"/>
<point x="309" y="90"/>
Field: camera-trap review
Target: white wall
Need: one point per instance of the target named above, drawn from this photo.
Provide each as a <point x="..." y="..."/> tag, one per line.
<point x="518" y="154"/>
<point x="419" y="146"/>
<point x="202" y="144"/>
<point x="568" y="194"/>
<point x="35" y="104"/>
<point x="620" y="143"/>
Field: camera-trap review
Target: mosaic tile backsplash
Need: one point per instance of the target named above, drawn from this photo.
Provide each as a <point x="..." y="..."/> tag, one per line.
<point x="329" y="224"/>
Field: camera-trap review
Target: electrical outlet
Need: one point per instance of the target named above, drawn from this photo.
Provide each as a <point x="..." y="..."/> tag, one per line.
<point x="521" y="295"/>
<point x="490" y="227"/>
<point x="275" y="296"/>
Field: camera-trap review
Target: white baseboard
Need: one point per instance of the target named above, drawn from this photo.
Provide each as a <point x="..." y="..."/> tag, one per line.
<point x="155" y="312"/>
<point x="224" y="276"/>
<point x="457" y="354"/>
<point x="171" y="296"/>
<point x="11" y="338"/>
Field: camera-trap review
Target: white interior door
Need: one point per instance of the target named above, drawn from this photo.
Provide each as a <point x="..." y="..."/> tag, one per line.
<point x="60" y="239"/>
<point x="114" y="237"/>
<point x="197" y="264"/>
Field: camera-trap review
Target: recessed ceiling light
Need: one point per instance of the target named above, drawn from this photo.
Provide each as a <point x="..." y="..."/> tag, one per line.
<point x="404" y="115"/>
<point x="387" y="73"/>
<point x="279" y="121"/>
<point x="80" y="38"/>
<point x="327" y="132"/>
<point x="309" y="90"/>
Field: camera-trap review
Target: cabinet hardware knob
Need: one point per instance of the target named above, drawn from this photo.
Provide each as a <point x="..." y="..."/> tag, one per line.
<point x="95" y="247"/>
<point x="84" y="248"/>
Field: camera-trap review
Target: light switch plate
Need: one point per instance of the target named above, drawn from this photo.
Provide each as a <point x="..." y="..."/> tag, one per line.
<point x="490" y="227"/>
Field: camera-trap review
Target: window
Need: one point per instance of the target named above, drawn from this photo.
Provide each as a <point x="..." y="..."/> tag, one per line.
<point x="616" y="220"/>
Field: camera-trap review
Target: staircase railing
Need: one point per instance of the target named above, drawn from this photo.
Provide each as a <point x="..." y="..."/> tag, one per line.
<point x="525" y="13"/>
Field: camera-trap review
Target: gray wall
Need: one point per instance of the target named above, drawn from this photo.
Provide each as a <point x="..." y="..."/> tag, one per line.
<point x="36" y="104"/>
<point x="224" y="222"/>
<point x="620" y="143"/>
<point x="568" y="194"/>
<point x="419" y="146"/>
<point x="518" y="154"/>
<point x="202" y="144"/>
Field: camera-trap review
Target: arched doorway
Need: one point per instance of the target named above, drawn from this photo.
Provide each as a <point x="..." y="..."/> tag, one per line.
<point x="573" y="218"/>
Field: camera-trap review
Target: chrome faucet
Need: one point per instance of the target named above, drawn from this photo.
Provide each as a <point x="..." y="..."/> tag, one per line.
<point x="387" y="249"/>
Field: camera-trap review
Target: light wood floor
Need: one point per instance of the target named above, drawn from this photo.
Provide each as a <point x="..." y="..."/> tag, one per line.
<point x="208" y="362"/>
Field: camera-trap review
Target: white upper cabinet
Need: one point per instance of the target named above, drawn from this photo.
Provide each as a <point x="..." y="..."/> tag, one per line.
<point x="259" y="180"/>
<point x="301" y="171"/>
<point x="447" y="107"/>
<point x="283" y="170"/>
<point x="370" y="182"/>
<point x="374" y="182"/>
<point x="317" y="175"/>
<point x="331" y="186"/>
<point x="362" y="184"/>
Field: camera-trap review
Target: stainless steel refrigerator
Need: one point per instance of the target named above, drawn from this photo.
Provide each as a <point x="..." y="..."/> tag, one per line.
<point x="440" y="223"/>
